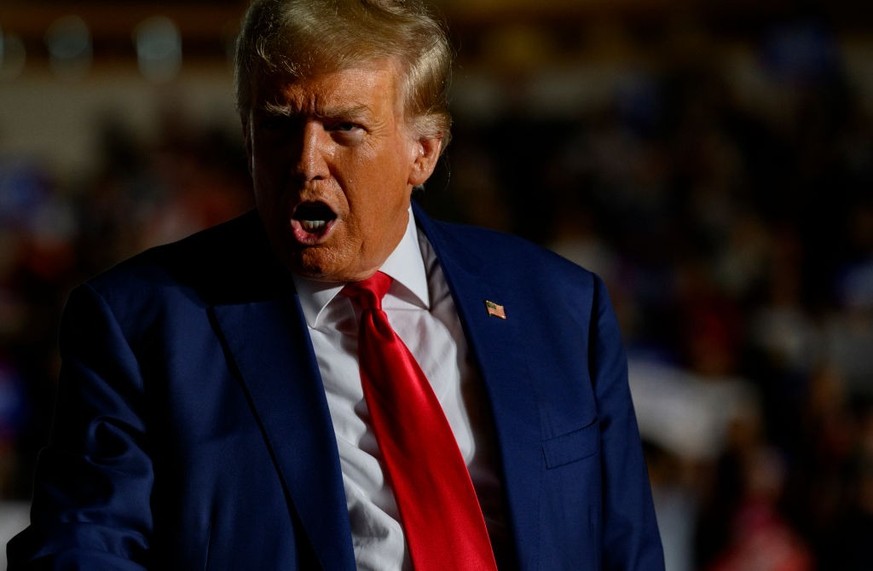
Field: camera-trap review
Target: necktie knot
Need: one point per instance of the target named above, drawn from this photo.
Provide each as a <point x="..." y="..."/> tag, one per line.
<point x="368" y="293"/>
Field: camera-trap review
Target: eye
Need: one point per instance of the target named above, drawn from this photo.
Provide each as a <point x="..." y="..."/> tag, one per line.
<point x="343" y="126"/>
<point x="346" y="132"/>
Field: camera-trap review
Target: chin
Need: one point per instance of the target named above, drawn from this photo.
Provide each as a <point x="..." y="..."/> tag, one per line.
<point x="313" y="265"/>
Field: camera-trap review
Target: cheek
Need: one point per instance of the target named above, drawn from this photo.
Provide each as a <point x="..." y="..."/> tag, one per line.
<point x="375" y="215"/>
<point x="376" y="190"/>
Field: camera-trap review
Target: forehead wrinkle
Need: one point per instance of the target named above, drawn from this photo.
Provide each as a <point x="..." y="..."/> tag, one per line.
<point x="312" y="97"/>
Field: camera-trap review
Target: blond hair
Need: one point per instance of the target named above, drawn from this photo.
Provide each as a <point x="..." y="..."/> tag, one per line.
<point x="295" y="39"/>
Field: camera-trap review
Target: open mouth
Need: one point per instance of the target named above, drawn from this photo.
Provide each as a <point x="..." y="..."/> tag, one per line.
<point x="311" y="221"/>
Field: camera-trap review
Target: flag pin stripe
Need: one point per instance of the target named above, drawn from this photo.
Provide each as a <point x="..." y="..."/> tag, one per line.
<point x="495" y="309"/>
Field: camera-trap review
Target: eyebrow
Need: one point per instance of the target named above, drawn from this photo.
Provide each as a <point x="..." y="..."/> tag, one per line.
<point x="329" y="112"/>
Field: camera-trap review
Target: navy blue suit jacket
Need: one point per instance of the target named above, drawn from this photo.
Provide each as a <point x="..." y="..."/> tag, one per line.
<point x="192" y="430"/>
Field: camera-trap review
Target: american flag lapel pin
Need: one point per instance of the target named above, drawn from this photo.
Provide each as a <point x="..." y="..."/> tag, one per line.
<point x="495" y="309"/>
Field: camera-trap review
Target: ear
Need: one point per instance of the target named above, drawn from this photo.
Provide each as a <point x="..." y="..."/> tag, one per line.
<point x="426" y="152"/>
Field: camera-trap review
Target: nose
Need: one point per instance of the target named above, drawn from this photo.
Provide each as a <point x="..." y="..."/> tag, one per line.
<point x="311" y="160"/>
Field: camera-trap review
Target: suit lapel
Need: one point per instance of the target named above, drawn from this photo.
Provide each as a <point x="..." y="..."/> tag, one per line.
<point x="270" y="346"/>
<point x="498" y="349"/>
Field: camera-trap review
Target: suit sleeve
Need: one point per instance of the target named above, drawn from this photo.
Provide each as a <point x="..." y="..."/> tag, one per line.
<point x="630" y="532"/>
<point x="93" y="481"/>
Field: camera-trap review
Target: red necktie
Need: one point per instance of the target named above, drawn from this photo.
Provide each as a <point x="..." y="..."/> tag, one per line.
<point x="444" y="526"/>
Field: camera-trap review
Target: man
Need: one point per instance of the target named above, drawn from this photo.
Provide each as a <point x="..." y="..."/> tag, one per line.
<point x="218" y="407"/>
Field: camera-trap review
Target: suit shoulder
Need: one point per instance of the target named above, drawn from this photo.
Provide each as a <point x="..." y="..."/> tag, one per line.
<point x="195" y="252"/>
<point x="502" y="249"/>
<point x="202" y="266"/>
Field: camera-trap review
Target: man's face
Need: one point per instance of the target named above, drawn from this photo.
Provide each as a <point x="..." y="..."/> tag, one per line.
<point x="333" y="163"/>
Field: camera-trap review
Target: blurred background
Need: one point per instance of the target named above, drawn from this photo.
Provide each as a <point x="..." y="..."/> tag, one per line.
<point x="711" y="159"/>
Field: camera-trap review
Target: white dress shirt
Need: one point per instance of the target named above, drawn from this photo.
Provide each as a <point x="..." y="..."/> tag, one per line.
<point x="420" y="308"/>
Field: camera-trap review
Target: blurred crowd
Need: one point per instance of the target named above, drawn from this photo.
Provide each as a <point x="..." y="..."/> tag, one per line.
<point x="736" y="240"/>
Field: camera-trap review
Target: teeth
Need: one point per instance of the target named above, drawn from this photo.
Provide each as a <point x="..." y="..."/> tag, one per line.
<point x="313" y="225"/>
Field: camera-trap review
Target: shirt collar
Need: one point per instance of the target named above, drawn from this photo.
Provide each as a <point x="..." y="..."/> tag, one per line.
<point x="405" y="266"/>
